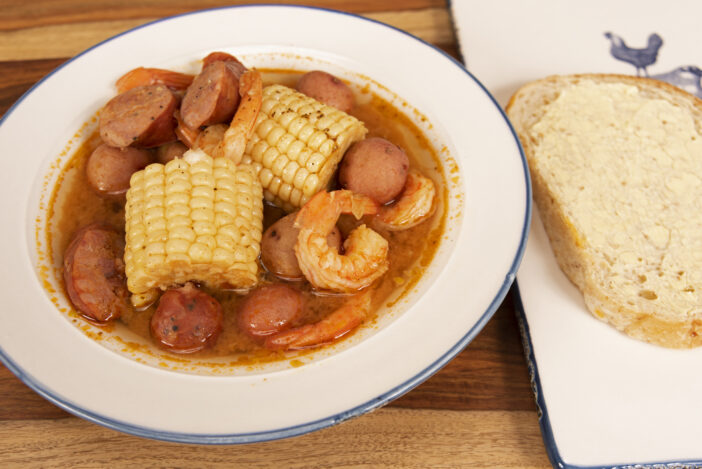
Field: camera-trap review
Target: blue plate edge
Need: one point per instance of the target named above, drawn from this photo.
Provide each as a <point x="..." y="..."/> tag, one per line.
<point x="552" y="451"/>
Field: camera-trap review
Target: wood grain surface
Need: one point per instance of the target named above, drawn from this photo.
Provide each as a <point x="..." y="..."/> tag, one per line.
<point x="478" y="411"/>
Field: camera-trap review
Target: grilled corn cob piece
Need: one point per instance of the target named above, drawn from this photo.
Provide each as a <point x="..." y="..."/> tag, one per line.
<point x="297" y="144"/>
<point x="196" y="218"/>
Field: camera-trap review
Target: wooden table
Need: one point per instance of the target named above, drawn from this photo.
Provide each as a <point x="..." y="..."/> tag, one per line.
<point x="478" y="411"/>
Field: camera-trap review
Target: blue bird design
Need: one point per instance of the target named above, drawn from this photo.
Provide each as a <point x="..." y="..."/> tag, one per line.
<point x="639" y="58"/>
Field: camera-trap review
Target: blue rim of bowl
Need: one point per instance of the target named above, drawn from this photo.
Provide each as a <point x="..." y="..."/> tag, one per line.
<point x="394" y="393"/>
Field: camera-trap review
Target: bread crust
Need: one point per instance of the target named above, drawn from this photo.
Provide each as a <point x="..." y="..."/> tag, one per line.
<point x="526" y="108"/>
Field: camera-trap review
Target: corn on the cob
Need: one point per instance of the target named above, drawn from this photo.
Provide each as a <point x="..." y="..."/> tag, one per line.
<point x="195" y="218"/>
<point x="297" y="144"/>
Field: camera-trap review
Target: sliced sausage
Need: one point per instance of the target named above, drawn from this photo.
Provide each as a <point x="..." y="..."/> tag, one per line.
<point x="93" y="272"/>
<point x="140" y="117"/>
<point x="169" y="151"/>
<point x="278" y="248"/>
<point x="108" y="169"/>
<point x="232" y="62"/>
<point x="187" y="320"/>
<point x="326" y="88"/>
<point x="269" y="309"/>
<point x="212" y="97"/>
<point x="374" y="167"/>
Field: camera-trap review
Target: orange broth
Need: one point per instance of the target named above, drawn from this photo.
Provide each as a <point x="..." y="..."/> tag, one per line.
<point x="73" y="204"/>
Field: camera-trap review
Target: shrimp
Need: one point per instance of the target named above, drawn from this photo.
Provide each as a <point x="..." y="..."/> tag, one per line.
<point x="219" y="141"/>
<point x="365" y="256"/>
<point x="337" y="324"/>
<point x="185" y="134"/>
<point x="141" y="76"/>
<point x="209" y="139"/>
<point x="234" y="141"/>
<point x="416" y="204"/>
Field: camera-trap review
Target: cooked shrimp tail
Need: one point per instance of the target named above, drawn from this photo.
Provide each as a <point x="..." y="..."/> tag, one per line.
<point x="416" y="204"/>
<point x="340" y="322"/>
<point x="218" y="140"/>
<point x="322" y="210"/>
<point x="153" y="76"/>
<point x="184" y="133"/>
<point x="365" y="251"/>
<point x="230" y="142"/>
<point x="210" y="138"/>
<point x="237" y="135"/>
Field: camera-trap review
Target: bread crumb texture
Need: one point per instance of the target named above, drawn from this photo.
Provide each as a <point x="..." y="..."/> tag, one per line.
<point x="623" y="169"/>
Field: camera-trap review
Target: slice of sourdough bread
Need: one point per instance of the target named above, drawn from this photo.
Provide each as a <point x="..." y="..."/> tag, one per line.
<point x="616" y="167"/>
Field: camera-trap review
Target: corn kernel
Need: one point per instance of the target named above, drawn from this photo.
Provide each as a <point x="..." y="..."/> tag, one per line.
<point x="293" y="131"/>
<point x="184" y="222"/>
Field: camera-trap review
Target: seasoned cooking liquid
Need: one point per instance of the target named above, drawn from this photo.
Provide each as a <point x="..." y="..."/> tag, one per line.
<point x="74" y="205"/>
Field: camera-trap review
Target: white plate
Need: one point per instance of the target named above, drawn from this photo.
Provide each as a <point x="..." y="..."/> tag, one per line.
<point x="489" y="209"/>
<point x="604" y="399"/>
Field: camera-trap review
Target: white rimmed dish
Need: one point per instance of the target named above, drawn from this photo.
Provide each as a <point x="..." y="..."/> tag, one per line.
<point x="488" y="213"/>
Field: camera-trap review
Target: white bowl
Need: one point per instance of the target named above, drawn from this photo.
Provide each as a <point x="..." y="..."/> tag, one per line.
<point x="134" y="391"/>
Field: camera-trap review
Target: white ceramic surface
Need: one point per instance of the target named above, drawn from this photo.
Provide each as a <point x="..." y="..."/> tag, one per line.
<point x="606" y="399"/>
<point x="489" y="210"/>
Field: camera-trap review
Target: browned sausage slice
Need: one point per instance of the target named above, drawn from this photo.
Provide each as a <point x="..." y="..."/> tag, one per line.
<point x="328" y="89"/>
<point x="232" y="62"/>
<point x="212" y="97"/>
<point x="187" y="320"/>
<point x="269" y="309"/>
<point x="109" y="169"/>
<point x="140" y="117"/>
<point x="169" y="151"/>
<point x="374" y="167"/>
<point x="93" y="272"/>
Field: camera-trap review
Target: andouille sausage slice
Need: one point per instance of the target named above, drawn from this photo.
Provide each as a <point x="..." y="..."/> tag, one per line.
<point x="109" y="169"/>
<point x="212" y="97"/>
<point x="269" y="309"/>
<point x="374" y="167"/>
<point x="169" y="151"/>
<point x="93" y="272"/>
<point x="328" y="89"/>
<point x="232" y="62"/>
<point x="187" y="320"/>
<point x="140" y="117"/>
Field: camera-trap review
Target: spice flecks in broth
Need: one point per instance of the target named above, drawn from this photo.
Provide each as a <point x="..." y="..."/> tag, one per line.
<point x="71" y="206"/>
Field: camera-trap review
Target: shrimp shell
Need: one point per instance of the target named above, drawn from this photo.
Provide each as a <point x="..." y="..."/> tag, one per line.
<point x="338" y="323"/>
<point x="237" y="135"/>
<point x="218" y="140"/>
<point x="416" y="204"/>
<point x="141" y="76"/>
<point x="365" y="257"/>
